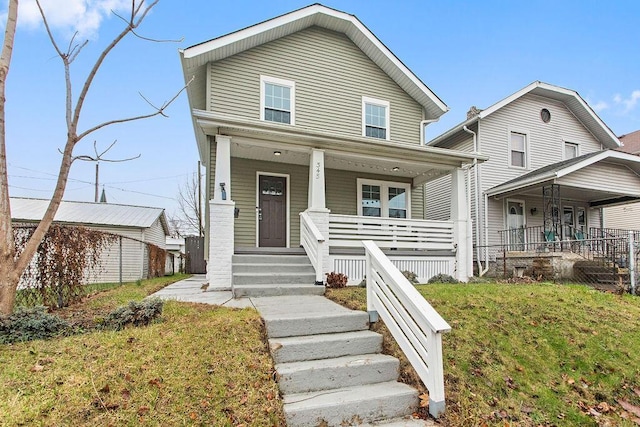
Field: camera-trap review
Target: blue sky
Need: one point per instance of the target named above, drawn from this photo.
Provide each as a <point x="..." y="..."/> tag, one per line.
<point x="468" y="53"/>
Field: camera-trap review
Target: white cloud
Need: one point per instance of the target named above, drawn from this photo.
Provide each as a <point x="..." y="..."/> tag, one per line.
<point x="600" y="106"/>
<point x="69" y="16"/>
<point x="628" y="103"/>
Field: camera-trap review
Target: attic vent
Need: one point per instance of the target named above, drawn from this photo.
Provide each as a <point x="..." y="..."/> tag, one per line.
<point x="545" y="115"/>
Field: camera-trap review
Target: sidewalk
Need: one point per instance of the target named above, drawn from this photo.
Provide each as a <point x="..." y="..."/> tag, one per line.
<point x="190" y="290"/>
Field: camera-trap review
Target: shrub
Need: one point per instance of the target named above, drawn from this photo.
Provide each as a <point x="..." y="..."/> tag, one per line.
<point x="411" y="277"/>
<point x="135" y="313"/>
<point x="442" y="278"/>
<point x="336" y="280"/>
<point x="33" y="323"/>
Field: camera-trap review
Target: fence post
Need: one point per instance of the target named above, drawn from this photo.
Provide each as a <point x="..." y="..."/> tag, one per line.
<point x="632" y="263"/>
<point x="120" y="260"/>
<point x="373" y="313"/>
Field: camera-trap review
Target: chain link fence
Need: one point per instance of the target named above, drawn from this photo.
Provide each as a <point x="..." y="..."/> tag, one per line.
<point x="606" y="263"/>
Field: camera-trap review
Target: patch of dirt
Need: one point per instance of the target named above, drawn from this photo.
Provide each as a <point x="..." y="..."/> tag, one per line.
<point x="82" y="315"/>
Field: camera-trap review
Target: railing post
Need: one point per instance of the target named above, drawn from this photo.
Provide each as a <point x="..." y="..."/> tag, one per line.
<point x="632" y="263"/>
<point x="436" y="389"/>
<point x="373" y="313"/>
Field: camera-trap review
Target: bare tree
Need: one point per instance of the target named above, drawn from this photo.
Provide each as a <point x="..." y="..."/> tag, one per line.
<point x="189" y="218"/>
<point x="12" y="264"/>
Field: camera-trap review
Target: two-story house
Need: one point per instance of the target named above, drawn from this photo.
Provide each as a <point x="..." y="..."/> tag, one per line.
<point x="552" y="168"/>
<point x="312" y="130"/>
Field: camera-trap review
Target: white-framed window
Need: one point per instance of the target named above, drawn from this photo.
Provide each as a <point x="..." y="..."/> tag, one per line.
<point x="518" y="144"/>
<point x="277" y="100"/>
<point x="570" y="150"/>
<point x="384" y="199"/>
<point x="375" y="118"/>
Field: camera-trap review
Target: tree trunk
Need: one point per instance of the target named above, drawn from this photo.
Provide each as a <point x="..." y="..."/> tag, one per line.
<point x="8" y="278"/>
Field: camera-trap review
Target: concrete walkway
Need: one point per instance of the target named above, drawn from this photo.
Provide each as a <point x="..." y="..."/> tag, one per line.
<point x="191" y="290"/>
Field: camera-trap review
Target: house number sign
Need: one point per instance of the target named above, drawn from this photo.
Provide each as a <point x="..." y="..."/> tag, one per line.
<point x="317" y="170"/>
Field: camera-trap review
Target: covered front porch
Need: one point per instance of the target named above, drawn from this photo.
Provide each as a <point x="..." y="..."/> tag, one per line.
<point x="325" y="194"/>
<point x="556" y="212"/>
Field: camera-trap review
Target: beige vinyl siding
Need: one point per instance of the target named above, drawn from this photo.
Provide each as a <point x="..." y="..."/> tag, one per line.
<point x="625" y="217"/>
<point x="545" y="140"/>
<point x="438" y="202"/>
<point x="604" y="177"/>
<point x="331" y="75"/>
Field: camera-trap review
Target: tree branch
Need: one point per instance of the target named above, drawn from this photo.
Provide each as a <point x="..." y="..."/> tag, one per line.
<point x="159" y="111"/>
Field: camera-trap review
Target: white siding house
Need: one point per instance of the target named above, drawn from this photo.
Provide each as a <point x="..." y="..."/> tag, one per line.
<point x="136" y="227"/>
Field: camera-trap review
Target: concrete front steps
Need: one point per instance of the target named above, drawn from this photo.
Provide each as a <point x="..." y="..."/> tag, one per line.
<point x="330" y="370"/>
<point x="273" y="274"/>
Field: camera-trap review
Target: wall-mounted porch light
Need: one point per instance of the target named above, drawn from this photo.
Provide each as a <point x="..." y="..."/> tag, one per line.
<point x="395" y="169"/>
<point x="277" y="153"/>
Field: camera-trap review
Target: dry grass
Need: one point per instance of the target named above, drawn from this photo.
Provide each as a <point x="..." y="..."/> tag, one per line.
<point x="202" y="365"/>
<point x="534" y="355"/>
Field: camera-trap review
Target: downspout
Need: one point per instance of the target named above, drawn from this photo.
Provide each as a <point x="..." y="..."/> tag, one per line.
<point x="481" y="271"/>
<point x="423" y="124"/>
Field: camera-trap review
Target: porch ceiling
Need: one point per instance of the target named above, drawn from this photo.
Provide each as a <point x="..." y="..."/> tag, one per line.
<point x="260" y="140"/>
<point x="594" y="197"/>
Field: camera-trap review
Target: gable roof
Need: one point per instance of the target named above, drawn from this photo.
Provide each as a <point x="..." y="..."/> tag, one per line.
<point x="631" y="142"/>
<point x="195" y="57"/>
<point x="89" y="213"/>
<point x="565" y="167"/>
<point x="573" y="101"/>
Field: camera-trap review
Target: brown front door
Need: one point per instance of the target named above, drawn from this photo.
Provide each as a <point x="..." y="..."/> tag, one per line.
<point x="272" y="211"/>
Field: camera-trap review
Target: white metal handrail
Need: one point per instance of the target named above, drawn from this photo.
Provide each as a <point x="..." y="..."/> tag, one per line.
<point x="414" y="323"/>
<point x="312" y="241"/>
<point x="349" y="231"/>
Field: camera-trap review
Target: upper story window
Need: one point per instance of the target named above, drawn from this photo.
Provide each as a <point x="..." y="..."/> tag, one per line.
<point x="518" y="149"/>
<point x="277" y="100"/>
<point x="375" y="118"/>
<point x="570" y="150"/>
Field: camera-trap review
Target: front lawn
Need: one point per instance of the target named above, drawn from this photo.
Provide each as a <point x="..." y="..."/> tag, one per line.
<point x="529" y="355"/>
<point x="201" y="365"/>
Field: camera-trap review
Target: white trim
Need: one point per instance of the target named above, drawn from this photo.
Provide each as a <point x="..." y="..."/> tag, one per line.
<point x="279" y="82"/>
<point x="384" y="194"/>
<point x="287" y="176"/>
<point x="564" y="149"/>
<point x="527" y="148"/>
<point x="381" y="103"/>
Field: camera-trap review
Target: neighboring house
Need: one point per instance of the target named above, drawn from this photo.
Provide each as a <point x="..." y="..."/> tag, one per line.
<point x="625" y="217"/>
<point x="175" y="255"/>
<point x="127" y="259"/>
<point x="310" y="113"/>
<point x="552" y="168"/>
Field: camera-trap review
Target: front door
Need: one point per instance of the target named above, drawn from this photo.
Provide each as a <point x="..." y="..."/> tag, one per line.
<point x="272" y="211"/>
<point x="515" y="224"/>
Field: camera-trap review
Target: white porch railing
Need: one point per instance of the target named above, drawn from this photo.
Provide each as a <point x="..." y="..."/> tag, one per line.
<point x="312" y="241"/>
<point x="350" y="231"/>
<point x="414" y="323"/>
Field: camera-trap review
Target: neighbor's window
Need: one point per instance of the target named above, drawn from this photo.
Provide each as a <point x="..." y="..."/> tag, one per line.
<point x="383" y="199"/>
<point x="518" y="148"/>
<point x="375" y="118"/>
<point x="570" y="150"/>
<point x="277" y="100"/>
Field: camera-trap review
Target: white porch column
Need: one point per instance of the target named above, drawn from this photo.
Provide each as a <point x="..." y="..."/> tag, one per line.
<point x="221" y="219"/>
<point x="461" y="217"/>
<point x="317" y="208"/>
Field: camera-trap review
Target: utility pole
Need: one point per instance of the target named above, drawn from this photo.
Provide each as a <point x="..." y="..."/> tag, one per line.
<point x="98" y="158"/>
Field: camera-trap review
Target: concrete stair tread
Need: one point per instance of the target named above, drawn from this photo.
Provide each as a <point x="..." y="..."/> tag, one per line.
<point x="355" y="405"/>
<point x="323" y="346"/>
<point x="260" y="291"/>
<point x="325" y="374"/>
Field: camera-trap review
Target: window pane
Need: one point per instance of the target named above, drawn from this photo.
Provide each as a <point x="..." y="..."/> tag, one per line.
<point x="397" y="198"/>
<point x="371" y="205"/>
<point x="397" y="213"/>
<point x="375" y="121"/>
<point x="517" y="159"/>
<point x="517" y="141"/>
<point x="277" y="103"/>
<point x="570" y="150"/>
